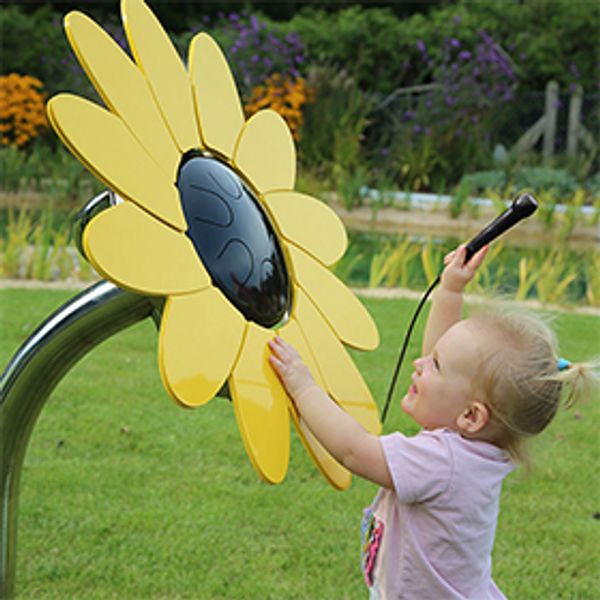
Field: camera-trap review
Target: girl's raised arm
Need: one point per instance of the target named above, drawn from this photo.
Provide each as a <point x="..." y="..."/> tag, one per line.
<point x="446" y="307"/>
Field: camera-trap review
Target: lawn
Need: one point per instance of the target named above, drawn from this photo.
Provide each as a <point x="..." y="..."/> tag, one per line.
<point x="126" y="495"/>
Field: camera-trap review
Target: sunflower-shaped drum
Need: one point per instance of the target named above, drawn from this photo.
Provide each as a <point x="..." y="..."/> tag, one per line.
<point x="211" y="222"/>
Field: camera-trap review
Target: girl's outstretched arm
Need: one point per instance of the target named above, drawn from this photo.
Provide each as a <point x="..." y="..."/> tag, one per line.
<point x="345" y="439"/>
<point x="446" y="307"/>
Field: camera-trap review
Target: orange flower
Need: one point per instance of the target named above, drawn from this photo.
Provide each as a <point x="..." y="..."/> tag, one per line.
<point x="283" y="95"/>
<point x="22" y="114"/>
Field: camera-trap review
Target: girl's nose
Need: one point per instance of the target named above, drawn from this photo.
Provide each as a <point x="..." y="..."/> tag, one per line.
<point x="418" y="364"/>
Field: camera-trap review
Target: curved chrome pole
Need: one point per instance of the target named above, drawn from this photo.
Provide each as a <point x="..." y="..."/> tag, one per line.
<point x="35" y="370"/>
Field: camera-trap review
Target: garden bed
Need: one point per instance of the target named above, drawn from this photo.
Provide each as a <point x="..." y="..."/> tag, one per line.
<point x="434" y="220"/>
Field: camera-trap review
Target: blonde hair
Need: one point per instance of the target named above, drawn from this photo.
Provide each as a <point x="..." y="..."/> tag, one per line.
<point x="520" y="380"/>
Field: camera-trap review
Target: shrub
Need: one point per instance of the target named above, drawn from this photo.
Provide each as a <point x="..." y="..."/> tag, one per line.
<point x="593" y="184"/>
<point x="35" y="43"/>
<point x="255" y="47"/>
<point x="548" y="40"/>
<point x="284" y="95"/>
<point x="332" y="131"/>
<point x="442" y="131"/>
<point x="481" y="181"/>
<point x="22" y="115"/>
<point x="557" y="181"/>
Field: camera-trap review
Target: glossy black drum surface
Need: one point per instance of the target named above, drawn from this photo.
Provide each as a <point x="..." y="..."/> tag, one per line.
<point x="234" y="239"/>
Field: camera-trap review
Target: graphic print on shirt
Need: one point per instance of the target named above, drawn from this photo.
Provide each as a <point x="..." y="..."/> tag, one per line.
<point x="371" y="538"/>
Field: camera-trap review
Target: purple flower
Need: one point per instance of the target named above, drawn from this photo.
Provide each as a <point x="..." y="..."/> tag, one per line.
<point x="457" y="20"/>
<point x="454" y="43"/>
<point x="421" y="47"/>
<point x="464" y="55"/>
<point x="574" y="71"/>
<point x="485" y="36"/>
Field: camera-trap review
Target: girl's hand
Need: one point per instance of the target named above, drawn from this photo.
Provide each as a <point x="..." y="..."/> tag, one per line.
<point x="288" y="365"/>
<point x="457" y="274"/>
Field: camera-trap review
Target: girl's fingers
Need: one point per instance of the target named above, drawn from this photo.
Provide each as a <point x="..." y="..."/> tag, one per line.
<point x="478" y="257"/>
<point x="458" y="256"/>
<point x="448" y="258"/>
<point x="277" y="365"/>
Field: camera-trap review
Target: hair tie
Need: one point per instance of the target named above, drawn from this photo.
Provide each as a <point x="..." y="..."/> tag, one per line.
<point x="563" y="364"/>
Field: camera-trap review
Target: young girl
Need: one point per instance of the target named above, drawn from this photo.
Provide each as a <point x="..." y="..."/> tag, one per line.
<point x="483" y="386"/>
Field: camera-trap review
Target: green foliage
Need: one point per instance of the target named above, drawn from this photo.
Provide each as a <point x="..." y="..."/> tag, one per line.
<point x="35" y="44"/>
<point x="481" y="181"/>
<point x="37" y="247"/>
<point x="460" y="199"/>
<point x="547" y="41"/>
<point x="555" y="276"/>
<point x="552" y="274"/>
<point x="394" y="264"/>
<point x="592" y="292"/>
<point x="364" y="43"/>
<point x="15" y="243"/>
<point x="556" y="181"/>
<point x="431" y="259"/>
<point x="13" y="168"/>
<point x="49" y="170"/>
<point x="332" y="132"/>
<point x="593" y="184"/>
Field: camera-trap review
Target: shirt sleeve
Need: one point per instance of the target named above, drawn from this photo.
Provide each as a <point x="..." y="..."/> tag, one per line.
<point x="420" y="466"/>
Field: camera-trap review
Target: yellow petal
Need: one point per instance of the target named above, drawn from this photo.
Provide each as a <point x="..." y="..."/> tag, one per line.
<point x="218" y="107"/>
<point x="200" y="337"/>
<point x="266" y="154"/>
<point x="308" y="223"/>
<point x="338" y="476"/>
<point x="105" y="145"/>
<point x="340" y="307"/>
<point x="123" y="88"/>
<point x="164" y="70"/>
<point x="261" y="406"/>
<point x="139" y="253"/>
<point x="342" y="379"/>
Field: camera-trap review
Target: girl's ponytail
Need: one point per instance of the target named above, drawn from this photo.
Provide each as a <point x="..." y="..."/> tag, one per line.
<point x="579" y="380"/>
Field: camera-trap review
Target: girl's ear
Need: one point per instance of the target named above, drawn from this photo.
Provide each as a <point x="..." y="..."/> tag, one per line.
<point x="473" y="419"/>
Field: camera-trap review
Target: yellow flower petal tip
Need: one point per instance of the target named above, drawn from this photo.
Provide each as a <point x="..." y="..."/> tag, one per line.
<point x="211" y="222"/>
<point x="261" y="407"/>
<point x="164" y="70"/>
<point x="218" y="107"/>
<point x="266" y="152"/>
<point x="341" y="308"/>
<point x="308" y="223"/>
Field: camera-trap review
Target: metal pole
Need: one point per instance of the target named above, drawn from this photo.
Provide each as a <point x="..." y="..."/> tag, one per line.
<point x="34" y="371"/>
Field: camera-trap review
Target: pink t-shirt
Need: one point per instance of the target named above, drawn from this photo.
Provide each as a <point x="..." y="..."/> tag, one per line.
<point x="432" y="536"/>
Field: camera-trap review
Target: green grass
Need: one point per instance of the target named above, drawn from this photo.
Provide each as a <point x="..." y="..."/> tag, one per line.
<point x="126" y="495"/>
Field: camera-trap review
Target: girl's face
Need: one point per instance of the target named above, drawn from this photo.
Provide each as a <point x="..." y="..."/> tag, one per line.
<point x="442" y="384"/>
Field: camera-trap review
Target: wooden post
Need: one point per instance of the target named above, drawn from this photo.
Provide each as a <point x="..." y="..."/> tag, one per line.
<point x="551" y="113"/>
<point x="574" y="116"/>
